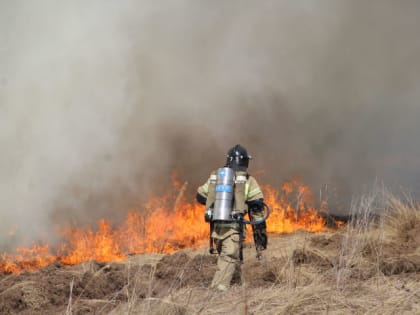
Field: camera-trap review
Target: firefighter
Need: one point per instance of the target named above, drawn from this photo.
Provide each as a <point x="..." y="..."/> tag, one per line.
<point x="247" y="198"/>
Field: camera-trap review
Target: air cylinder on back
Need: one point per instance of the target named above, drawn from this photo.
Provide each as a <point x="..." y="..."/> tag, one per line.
<point x="224" y="194"/>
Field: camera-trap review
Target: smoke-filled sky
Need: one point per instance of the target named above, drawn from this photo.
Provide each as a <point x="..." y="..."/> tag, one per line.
<point x="100" y="101"/>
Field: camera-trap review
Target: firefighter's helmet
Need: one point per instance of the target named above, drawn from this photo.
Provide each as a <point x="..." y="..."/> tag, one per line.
<point x="238" y="158"/>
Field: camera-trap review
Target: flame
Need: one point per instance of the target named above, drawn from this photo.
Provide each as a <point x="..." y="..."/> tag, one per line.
<point x="85" y="244"/>
<point x="292" y="208"/>
<point x="31" y="259"/>
<point x="166" y="224"/>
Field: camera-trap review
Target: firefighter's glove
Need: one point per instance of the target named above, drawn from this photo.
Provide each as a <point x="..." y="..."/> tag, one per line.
<point x="256" y="205"/>
<point x="208" y="215"/>
<point x="239" y="216"/>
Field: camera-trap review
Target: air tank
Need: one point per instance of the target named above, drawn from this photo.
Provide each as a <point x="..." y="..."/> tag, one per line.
<point x="224" y="194"/>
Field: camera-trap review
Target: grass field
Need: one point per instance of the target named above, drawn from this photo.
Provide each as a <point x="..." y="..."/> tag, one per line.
<point x="369" y="266"/>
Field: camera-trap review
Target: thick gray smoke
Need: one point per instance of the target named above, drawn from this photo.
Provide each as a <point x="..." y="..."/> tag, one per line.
<point x="101" y="100"/>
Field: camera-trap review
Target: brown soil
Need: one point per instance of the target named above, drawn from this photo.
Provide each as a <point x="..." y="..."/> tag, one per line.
<point x="96" y="288"/>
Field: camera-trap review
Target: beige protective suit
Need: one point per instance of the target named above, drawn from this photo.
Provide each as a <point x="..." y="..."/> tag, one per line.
<point x="228" y="234"/>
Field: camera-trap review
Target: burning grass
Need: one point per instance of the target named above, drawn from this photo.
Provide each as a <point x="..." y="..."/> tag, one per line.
<point x="370" y="266"/>
<point x="167" y="223"/>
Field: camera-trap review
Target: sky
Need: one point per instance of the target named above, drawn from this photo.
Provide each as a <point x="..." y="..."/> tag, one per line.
<point x="102" y="101"/>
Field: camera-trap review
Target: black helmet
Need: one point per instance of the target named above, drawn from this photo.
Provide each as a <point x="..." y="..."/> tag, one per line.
<point x="238" y="158"/>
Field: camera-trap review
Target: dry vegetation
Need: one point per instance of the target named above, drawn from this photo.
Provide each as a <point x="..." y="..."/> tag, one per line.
<point x="371" y="266"/>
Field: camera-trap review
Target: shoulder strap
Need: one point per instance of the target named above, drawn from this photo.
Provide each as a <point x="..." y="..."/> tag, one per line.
<point x="211" y="197"/>
<point x="240" y="198"/>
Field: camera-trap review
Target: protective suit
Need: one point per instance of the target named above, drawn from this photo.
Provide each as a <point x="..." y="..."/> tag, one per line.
<point x="228" y="234"/>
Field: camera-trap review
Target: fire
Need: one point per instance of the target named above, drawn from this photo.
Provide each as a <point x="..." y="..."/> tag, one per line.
<point x="166" y="224"/>
<point x="33" y="258"/>
<point x="292" y="209"/>
<point x="85" y="245"/>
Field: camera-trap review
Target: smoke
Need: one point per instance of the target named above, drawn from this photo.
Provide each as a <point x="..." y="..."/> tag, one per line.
<point x="100" y="101"/>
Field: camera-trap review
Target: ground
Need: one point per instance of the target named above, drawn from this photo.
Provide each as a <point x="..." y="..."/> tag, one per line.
<point x="347" y="271"/>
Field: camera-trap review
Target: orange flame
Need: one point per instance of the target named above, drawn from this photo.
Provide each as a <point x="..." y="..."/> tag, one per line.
<point x="32" y="258"/>
<point x="85" y="245"/>
<point x="292" y="209"/>
<point x="166" y="224"/>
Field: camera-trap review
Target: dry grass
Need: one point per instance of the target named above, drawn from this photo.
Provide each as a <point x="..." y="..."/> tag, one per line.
<point x="402" y="220"/>
<point x="371" y="266"/>
<point x="330" y="273"/>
